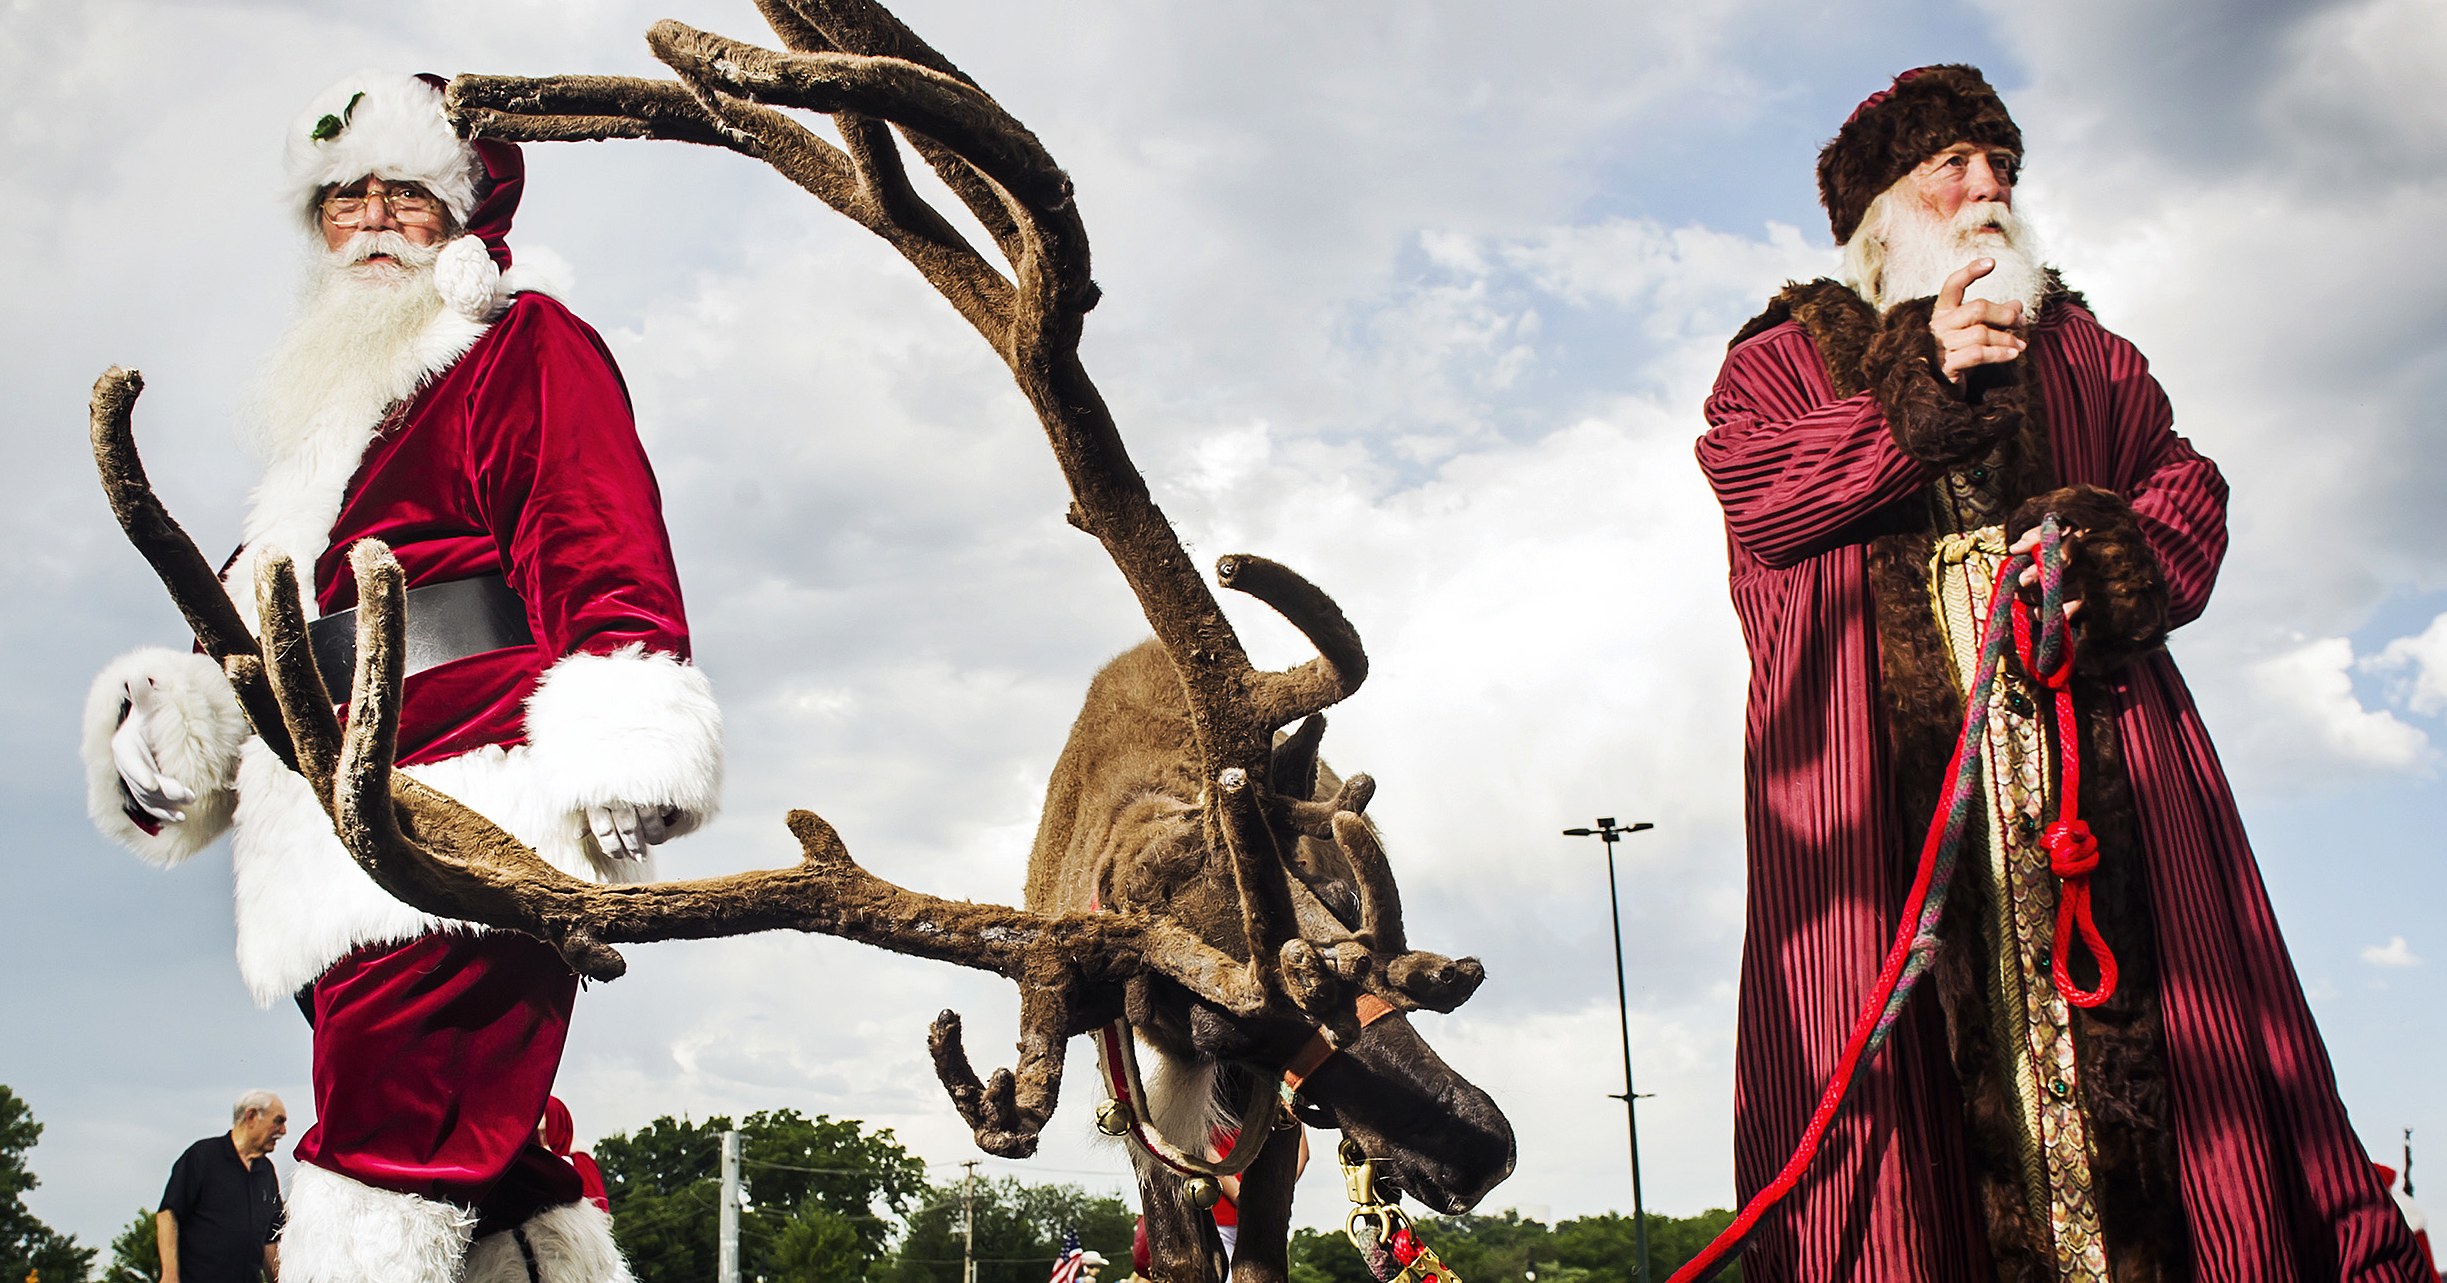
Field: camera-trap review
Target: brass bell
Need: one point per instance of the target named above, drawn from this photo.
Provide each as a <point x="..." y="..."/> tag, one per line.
<point x="1112" y="1119"/>
<point x="1203" y="1192"/>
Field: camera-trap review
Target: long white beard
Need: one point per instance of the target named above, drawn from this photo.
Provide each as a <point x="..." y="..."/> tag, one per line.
<point x="354" y="347"/>
<point x="1902" y="252"/>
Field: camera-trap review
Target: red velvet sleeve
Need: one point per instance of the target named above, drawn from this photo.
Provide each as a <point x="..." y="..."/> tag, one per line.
<point x="567" y="491"/>
<point x="1796" y="469"/>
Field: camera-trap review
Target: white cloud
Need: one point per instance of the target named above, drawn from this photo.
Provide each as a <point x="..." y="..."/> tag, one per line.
<point x="2394" y="954"/>
<point x="2421" y="659"/>
<point x="2308" y="706"/>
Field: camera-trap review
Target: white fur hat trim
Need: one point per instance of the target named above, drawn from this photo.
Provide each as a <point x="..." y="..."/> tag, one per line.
<point x="381" y="123"/>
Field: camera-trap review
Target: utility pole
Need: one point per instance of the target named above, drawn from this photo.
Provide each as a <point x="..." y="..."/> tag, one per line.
<point x="727" y="1259"/>
<point x="1612" y="833"/>
<point x="968" y="1223"/>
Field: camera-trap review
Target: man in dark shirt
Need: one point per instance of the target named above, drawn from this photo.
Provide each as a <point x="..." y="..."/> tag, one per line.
<point x="221" y="1210"/>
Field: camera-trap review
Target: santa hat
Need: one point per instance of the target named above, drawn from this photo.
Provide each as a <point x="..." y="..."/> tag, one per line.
<point x="386" y="124"/>
<point x="1925" y="111"/>
<point x="560" y="1131"/>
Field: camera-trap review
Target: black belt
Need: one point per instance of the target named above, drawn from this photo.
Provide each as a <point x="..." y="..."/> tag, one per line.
<point x="446" y="621"/>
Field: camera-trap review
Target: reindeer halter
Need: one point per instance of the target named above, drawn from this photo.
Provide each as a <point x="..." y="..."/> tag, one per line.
<point x="1124" y="1111"/>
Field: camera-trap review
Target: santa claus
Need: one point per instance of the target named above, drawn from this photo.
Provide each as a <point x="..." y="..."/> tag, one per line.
<point x="1879" y="443"/>
<point x="430" y="397"/>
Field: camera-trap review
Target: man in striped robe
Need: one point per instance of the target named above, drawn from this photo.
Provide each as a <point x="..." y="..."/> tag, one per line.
<point x="1874" y="442"/>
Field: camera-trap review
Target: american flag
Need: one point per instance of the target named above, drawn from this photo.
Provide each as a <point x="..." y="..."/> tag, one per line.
<point x="1066" y="1266"/>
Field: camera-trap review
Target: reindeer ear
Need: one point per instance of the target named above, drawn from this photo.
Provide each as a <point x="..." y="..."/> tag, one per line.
<point x="1293" y="772"/>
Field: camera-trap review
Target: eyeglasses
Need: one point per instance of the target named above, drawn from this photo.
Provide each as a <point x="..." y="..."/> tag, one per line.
<point x="408" y="203"/>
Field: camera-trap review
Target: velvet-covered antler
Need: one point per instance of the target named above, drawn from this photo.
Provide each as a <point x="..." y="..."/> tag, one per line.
<point x="853" y="59"/>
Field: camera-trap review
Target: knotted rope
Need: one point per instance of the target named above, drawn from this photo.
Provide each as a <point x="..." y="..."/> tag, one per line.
<point x="2073" y="853"/>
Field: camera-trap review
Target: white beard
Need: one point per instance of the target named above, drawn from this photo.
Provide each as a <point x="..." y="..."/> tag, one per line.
<point x="355" y="346"/>
<point x="1902" y="251"/>
<point x="367" y="336"/>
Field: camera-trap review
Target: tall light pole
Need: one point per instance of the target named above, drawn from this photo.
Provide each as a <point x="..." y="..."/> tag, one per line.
<point x="1612" y="833"/>
<point x="726" y="1221"/>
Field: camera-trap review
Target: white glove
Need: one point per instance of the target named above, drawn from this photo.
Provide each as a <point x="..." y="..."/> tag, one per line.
<point x="140" y="773"/>
<point x="624" y="831"/>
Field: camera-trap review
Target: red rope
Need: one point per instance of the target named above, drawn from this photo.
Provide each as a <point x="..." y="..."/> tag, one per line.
<point x="1840" y="1082"/>
<point x="2073" y="852"/>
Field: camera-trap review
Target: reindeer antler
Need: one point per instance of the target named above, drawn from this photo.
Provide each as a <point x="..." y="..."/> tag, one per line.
<point x="855" y="60"/>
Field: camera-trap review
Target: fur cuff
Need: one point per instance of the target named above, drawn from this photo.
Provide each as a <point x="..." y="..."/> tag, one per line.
<point x="1931" y="420"/>
<point x="196" y="743"/>
<point x="2113" y="574"/>
<point x="345" y="1231"/>
<point x="572" y="1244"/>
<point x="634" y="726"/>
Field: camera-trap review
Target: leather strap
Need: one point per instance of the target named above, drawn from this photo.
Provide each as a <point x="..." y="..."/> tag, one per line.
<point x="1320" y="1048"/>
<point x="449" y="620"/>
<point x="526" y="1252"/>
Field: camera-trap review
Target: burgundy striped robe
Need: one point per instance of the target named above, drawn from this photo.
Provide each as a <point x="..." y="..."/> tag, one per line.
<point x="2275" y="1185"/>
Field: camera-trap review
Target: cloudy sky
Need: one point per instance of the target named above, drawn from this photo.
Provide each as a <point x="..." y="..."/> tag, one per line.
<point x="1421" y="298"/>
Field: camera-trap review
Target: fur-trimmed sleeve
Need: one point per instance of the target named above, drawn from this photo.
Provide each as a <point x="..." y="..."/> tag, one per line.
<point x="2112" y="572"/>
<point x="635" y="726"/>
<point x="2177" y="495"/>
<point x="196" y="737"/>
<point x="1932" y="420"/>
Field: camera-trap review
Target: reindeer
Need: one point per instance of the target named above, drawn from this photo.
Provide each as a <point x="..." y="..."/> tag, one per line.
<point x="1198" y="877"/>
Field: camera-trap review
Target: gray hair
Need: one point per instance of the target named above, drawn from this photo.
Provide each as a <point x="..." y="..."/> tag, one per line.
<point x="258" y="1101"/>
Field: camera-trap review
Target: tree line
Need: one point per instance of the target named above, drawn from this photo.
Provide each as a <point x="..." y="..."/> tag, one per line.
<point x="829" y="1200"/>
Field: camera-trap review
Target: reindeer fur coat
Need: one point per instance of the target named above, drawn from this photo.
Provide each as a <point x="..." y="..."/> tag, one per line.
<point x="2220" y="1148"/>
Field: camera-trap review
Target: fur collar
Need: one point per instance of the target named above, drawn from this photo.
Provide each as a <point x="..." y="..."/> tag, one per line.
<point x="1842" y="323"/>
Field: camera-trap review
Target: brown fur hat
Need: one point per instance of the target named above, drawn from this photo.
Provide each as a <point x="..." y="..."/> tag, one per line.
<point x="1925" y="111"/>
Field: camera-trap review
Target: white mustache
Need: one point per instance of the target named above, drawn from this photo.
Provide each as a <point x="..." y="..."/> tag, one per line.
<point x="386" y="244"/>
<point x="1984" y="215"/>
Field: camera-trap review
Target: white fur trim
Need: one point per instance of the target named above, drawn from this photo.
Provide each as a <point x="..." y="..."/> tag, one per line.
<point x="304" y="904"/>
<point x="397" y="130"/>
<point x="196" y="743"/>
<point x="469" y="282"/>
<point x="539" y="270"/>
<point x="634" y="726"/>
<point x="345" y="1231"/>
<point x="572" y="1244"/>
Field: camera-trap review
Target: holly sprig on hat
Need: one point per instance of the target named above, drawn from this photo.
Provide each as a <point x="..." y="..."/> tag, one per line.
<point x="329" y="126"/>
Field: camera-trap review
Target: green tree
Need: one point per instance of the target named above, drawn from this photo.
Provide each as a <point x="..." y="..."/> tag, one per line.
<point x="135" y="1255"/>
<point x="1505" y="1248"/>
<point x="820" y="1192"/>
<point x="1326" y="1256"/>
<point x="1019" y="1232"/>
<point x="27" y="1246"/>
<point x="1604" y="1245"/>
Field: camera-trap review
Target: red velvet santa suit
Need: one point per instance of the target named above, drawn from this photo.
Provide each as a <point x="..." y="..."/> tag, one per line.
<point x="511" y="452"/>
<point x="2273" y="1183"/>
